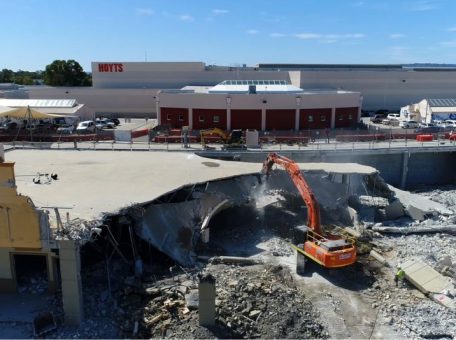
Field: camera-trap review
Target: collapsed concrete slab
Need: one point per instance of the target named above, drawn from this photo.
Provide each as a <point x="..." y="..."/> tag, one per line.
<point x="419" y="207"/>
<point x="430" y="282"/>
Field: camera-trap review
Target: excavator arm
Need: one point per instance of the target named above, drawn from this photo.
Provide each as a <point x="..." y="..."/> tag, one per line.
<point x="313" y="210"/>
<point x="328" y="249"/>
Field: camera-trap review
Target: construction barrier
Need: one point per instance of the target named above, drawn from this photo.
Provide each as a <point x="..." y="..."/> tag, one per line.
<point x="360" y="138"/>
<point x="424" y="138"/>
<point x="139" y="133"/>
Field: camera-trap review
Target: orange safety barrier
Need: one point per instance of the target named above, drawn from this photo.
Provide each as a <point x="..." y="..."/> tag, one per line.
<point x="424" y="138"/>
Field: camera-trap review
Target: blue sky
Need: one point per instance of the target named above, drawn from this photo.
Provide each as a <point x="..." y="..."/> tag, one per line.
<point x="36" y="32"/>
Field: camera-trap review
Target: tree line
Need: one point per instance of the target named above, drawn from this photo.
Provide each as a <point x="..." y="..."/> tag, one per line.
<point x="58" y="73"/>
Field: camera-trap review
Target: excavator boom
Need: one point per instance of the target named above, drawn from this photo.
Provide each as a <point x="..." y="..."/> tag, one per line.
<point x="313" y="213"/>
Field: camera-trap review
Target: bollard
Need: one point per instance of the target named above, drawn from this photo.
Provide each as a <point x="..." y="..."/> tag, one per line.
<point x="206" y="307"/>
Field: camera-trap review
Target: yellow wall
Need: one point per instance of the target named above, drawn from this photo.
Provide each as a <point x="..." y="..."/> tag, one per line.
<point x="19" y="220"/>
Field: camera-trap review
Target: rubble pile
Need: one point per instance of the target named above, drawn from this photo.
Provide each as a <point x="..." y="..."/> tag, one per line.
<point x="36" y="284"/>
<point x="251" y="302"/>
<point x="406" y="309"/>
<point x="264" y="303"/>
<point x="77" y="229"/>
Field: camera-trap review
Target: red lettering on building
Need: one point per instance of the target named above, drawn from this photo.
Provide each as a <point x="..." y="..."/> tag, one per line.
<point x="110" y="67"/>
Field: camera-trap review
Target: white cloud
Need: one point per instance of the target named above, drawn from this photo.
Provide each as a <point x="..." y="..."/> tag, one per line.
<point x="277" y="35"/>
<point x="145" y="11"/>
<point x="307" y="36"/>
<point x="252" y="31"/>
<point x="396" y="35"/>
<point x="450" y="43"/>
<point x="452" y="29"/>
<point x="424" y="5"/>
<point x="186" y="18"/>
<point x="328" y="38"/>
<point x="220" y="11"/>
<point x="399" y="54"/>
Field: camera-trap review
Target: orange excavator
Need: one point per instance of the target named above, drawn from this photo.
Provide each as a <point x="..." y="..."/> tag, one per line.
<point x="328" y="249"/>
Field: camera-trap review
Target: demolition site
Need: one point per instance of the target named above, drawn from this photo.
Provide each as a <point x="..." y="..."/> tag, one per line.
<point x="274" y="244"/>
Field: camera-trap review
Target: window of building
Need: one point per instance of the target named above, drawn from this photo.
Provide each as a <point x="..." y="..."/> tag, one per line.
<point x="341" y="117"/>
<point x="181" y="118"/>
<point x="201" y="118"/>
<point x="168" y="116"/>
<point x="349" y="116"/>
<point x="310" y="119"/>
<point x="323" y="118"/>
<point x="216" y="119"/>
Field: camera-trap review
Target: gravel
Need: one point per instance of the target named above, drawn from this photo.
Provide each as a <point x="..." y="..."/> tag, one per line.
<point x="412" y="315"/>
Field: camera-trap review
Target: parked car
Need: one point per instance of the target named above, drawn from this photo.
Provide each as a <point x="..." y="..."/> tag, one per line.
<point x="65" y="129"/>
<point x="449" y="123"/>
<point x="105" y="123"/>
<point x="116" y="121"/>
<point x="429" y="129"/>
<point x="393" y="116"/>
<point x="424" y="125"/>
<point x="8" y="125"/>
<point x="409" y="124"/>
<point x="377" y="118"/>
<point x="392" y="122"/>
<point x="87" y="126"/>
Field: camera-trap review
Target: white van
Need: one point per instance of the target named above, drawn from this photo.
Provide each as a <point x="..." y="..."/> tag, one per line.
<point x="87" y="126"/>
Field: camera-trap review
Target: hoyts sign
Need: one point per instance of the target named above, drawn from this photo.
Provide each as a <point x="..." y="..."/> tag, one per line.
<point x="110" y="67"/>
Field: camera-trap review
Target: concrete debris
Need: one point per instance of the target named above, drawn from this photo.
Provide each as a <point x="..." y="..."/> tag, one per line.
<point x="430" y="282"/>
<point x="413" y="315"/>
<point x="35" y="284"/>
<point x="450" y="229"/>
<point x="420" y="203"/>
<point x="394" y="210"/>
<point x="239" y="261"/>
<point x="78" y="229"/>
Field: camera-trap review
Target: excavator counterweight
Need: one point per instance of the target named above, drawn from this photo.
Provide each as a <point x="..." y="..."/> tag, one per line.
<point x="329" y="250"/>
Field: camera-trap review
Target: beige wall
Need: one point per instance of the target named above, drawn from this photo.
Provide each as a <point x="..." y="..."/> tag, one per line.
<point x="255" y="101"/>
<point x="132" y="91"/>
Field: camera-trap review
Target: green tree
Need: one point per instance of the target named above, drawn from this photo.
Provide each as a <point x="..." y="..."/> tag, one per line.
<point x="6" y="76"/>
<point x="64" y="73"/>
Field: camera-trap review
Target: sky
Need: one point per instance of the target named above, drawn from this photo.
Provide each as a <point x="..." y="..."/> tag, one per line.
<point x="34" y="33"/>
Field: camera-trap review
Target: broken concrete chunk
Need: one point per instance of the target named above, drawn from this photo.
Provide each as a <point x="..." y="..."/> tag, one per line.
<point x="192" y="299"/>
<point x="373" y="201"/>
<point x="394" y="210"/>
<point x="416" y="201"/>
<point x="415" y="213"/>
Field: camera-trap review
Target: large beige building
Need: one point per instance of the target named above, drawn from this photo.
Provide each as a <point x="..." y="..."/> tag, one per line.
<point x="130" y="88"/>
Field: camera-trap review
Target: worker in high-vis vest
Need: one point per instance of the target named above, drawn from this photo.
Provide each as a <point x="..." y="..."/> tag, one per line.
<point x="400" y="275"/>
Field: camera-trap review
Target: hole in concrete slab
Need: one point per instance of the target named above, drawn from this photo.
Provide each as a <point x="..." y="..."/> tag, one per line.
<point x="211" y="164"/>
<point x="31" y="273"/>
<point x="240" y="230"/>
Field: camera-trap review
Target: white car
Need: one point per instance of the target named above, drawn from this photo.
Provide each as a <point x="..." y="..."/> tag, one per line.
<point x="393" y="116"/>
<point x="449" y="123"/>
<point x="392" y="122"/>
<point x="87" y="126"/>
<point x="105" y="123"/>
<point x="409" y="124"/>
<point x="426" y="125"/>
